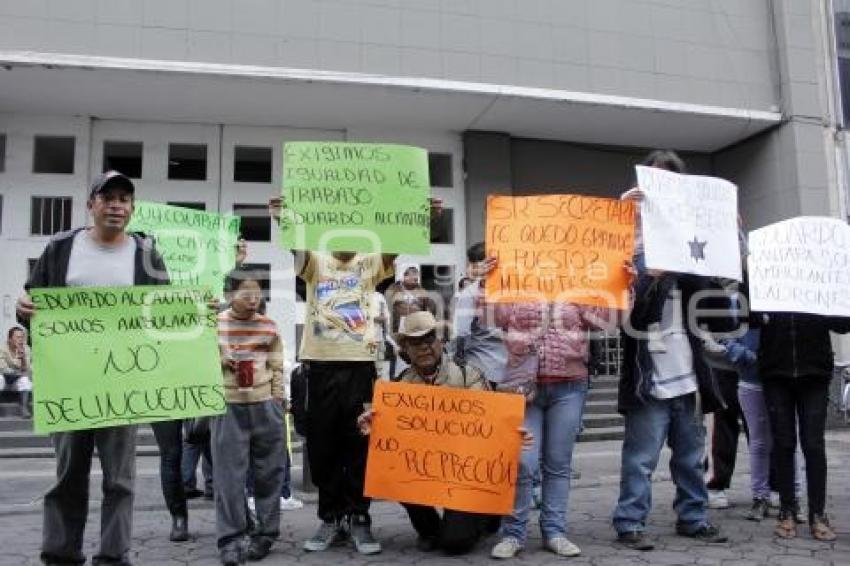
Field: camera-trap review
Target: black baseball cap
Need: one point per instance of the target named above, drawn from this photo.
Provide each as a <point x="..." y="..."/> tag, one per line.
<point x="108" y="180"/>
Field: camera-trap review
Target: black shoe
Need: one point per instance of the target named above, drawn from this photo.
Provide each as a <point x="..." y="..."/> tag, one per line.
<point x="760" y="510"/>
<point x="192" y="492"/>
<point x="179" y="529"/>
<point x="635" y="540"/>
<point x="259" y="548"/>
<point x="427" y="544"/>
<point x="231" y="556"/>
<point x="706" y="533"/>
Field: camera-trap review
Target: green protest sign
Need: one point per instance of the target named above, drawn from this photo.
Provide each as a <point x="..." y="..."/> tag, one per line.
<point x="356" y="197"/>
<point x="199" y="248"/>
<point x="123" y="355"/>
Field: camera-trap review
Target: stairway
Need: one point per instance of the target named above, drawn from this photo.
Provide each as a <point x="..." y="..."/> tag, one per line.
<point x="601" y="420"/>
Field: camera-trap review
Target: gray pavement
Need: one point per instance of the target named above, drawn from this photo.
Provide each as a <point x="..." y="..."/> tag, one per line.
<point x="23" y="481"/>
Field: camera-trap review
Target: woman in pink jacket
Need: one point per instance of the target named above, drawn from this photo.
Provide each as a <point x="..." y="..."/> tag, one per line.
<point x="548" y="352"/>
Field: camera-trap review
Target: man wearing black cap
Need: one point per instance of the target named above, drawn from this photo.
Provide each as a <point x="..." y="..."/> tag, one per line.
<point x="101" y="255"/>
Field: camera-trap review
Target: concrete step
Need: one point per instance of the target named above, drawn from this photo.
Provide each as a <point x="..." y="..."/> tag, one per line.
<point x="604" y="420"/>
<point x="602" y="394"/>
<point x="596" y="407"/>
<point x="601" y="434"/>
<point x="28" y="439"/>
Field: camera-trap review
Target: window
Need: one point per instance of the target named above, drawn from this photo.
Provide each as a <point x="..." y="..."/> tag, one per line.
<point x="440" y="169"/>
<point x="50" y="215"/>
<point x="2" y="152"/>
<point x="440" y="279"/>
<point x="256" y="224"/>
<point x="442" y="227"/>
<point x="252" y="164"/>
<point x="53" y="154"/>
<point x="125" y="157"/>
<point x="263" y="270"/>
<point x="193" y="205"/>
<point x="187" y="162"/>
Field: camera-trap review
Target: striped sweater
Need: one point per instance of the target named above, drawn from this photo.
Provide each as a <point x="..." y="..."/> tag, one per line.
<point x="259" y="338"/>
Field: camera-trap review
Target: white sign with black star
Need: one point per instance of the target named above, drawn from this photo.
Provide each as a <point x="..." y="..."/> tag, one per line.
<point x="689" y="223"/>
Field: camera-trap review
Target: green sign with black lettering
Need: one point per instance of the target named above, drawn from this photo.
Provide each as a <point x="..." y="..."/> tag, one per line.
<point x="123" y="355"/>
<point x="356" y="197"/>
<point x="198" y="248"/>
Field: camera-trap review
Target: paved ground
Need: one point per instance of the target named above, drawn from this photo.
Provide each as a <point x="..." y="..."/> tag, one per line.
<point x="23" y="481"/>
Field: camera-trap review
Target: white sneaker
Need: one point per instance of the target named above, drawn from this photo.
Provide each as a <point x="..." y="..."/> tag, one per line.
<point x="717" y="499"/>
<point x="508" y="547"/>
<point x="290" y="503"/>
<point x="562" y="546"/>
<point x="251" y="505"/>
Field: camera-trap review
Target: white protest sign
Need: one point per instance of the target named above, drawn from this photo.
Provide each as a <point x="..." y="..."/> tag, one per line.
<point x="690" y="223"/>
<point x="801" y="265"/>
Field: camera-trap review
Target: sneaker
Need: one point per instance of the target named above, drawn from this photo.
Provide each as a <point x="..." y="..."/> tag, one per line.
<point x="707" y="533"/>
<point x="786" y="526"/>
<point x="821" y="530"/>
<point x="361" y="533"/>
<point x="232" y="556"/>
<point x="717" y="499"/>
<point x="562" y="546"/>
<point x="290" y="503"/>
<point x="760" y="509"/>
<point x="508" y="547"/>
<point x="635" y="540"/>
<point x="328" y="533"/>
<point x="259" y="548"/>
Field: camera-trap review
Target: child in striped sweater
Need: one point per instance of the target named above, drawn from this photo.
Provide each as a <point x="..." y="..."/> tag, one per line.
<point x="250" y="433"/>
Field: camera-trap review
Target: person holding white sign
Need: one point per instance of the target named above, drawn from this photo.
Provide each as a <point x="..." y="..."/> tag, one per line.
<point x="663" y="375"/>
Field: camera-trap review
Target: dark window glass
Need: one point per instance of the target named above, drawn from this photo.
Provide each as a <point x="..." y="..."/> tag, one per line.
<point x="440" y="169"/>
<point x="252" y="164"/>
<point x="193" y="205"/>
<point x="256" y="223"/>
<point x="123" y="156"/>
<point x="53" y="154"/>
<point x="50" y="215"/>
<point x="187" y="162"/>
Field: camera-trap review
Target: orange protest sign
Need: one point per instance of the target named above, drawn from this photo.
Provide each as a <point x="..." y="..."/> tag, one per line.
<point x="559" y="248"/>
<point x="445" y="447"/>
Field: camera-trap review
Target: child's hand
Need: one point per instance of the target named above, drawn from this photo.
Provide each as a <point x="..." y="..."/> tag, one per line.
<point x="364" y="422"/>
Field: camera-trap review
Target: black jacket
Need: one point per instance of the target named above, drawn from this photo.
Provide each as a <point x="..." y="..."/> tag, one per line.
<point x="51" y="269"/>
<point x="636" y="379"/>
<point x="796" y="345"/>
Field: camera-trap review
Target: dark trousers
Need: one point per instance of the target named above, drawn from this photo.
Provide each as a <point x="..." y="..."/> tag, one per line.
<point x="192" y="453"/>
<point x="725" y="431"/>
<point x="169" y="438"/>
<point x="456" y="531"/>
<point x="802" y="399"/>
<point x="66" y="505"/>
<point x="335" y="448"/>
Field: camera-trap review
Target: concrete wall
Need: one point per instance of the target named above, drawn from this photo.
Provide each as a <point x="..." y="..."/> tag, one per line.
<point x="715" y="52"/>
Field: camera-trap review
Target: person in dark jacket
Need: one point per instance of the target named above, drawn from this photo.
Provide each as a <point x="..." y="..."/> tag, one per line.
<point x="102" y="255"/>
<point x="795" y="362"/>
<point x="661" y="394"/>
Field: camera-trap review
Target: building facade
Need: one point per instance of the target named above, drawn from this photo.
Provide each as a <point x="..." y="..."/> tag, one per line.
<point x="193" y="99"/>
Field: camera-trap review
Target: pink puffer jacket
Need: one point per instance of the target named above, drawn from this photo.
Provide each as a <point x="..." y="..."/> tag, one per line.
<point x="557" y="331"/>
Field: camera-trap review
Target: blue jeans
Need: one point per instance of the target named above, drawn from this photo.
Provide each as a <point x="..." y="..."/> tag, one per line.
<point x="554" y="417"/>
<point x="647" y="427"/>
